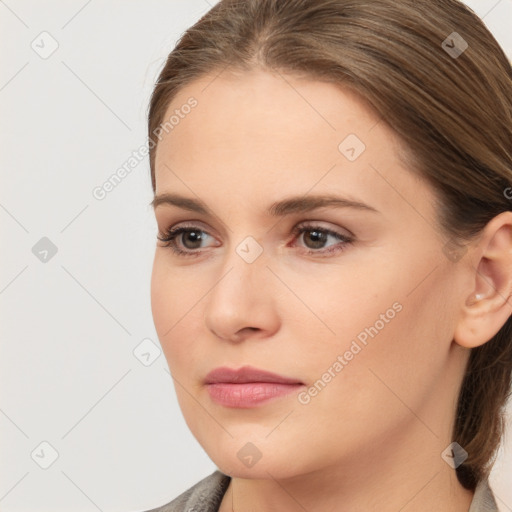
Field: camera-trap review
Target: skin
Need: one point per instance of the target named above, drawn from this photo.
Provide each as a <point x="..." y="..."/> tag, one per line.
<point x="372" y="438"/>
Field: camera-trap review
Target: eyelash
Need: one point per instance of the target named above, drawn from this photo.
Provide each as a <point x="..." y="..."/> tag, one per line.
<point x="170" y="235"/>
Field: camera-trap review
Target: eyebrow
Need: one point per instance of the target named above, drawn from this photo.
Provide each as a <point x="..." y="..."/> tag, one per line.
<point x="296" y="204"/>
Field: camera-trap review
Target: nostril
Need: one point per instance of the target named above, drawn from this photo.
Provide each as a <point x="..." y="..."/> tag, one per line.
<point x="240" y="334"/>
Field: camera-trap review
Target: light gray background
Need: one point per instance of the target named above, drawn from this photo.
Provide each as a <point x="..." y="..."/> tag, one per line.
<point x="70" y="325"/>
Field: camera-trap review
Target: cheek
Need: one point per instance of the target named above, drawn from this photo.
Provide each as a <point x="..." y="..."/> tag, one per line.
<point x="379" y="381"/>
<point x="161" y="294"/>
<point x="177" y="311"/>
<point x="386" y="324"/>
<point x="406" y="343"/>
<point x="344" y="307"/>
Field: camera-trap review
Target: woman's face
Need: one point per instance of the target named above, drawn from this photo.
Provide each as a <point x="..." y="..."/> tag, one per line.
<point x="312" y="253"/>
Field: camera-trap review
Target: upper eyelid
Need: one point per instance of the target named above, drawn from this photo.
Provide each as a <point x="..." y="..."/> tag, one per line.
<point x="313" y="224"/>
<point x="296" y="230"/>
<point x="301" y="224"/>
<point x="185" y="225"/>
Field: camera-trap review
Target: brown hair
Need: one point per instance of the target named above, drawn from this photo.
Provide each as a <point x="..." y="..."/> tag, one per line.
<point x="453" y="112"/>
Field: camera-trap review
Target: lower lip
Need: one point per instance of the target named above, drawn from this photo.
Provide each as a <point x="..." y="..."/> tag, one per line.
<point x="250" y="394"/>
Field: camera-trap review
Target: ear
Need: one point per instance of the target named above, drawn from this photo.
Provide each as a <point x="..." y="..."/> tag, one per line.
<point x="488" y="304"/>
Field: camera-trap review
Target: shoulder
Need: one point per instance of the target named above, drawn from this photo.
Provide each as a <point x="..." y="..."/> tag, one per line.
<point x="205" y="496"/>
<point x="483" y="499"/>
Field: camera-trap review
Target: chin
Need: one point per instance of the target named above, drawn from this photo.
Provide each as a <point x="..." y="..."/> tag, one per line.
<point x="242" y="459"/>
<point x="260" y="471"/>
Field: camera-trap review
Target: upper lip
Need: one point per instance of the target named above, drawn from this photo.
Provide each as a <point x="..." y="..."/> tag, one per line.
<point x="246" y="374"/>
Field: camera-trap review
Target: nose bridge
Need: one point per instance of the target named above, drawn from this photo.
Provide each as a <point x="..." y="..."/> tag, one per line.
<point x="241" y="297"/>
<point x="244" y="271"/>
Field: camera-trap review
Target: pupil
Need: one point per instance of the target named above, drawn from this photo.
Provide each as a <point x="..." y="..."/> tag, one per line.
<point x="318" y="239"/>
<point x="194" y="237"/>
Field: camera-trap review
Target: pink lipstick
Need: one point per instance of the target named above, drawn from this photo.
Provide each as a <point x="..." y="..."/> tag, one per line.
<point x="247" y="387"/>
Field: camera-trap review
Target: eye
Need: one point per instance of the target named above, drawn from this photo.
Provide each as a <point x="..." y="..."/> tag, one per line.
<point x="316" y="239"/>
<point x="185" y="240"/>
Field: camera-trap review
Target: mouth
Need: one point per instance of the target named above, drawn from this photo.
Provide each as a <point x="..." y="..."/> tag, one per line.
<point x="248" y="387"/>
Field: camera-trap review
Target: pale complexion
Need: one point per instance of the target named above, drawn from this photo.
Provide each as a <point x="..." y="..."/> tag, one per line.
<point x="372" y="438"/>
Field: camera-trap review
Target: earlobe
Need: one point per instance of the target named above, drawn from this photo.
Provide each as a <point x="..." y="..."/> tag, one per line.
<point x="489" y="303"/>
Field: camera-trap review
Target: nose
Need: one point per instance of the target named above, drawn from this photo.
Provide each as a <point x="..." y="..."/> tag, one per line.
<point x="242" y="303"/>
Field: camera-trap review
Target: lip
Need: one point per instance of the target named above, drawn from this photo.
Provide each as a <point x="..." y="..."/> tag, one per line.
<point x="246" y="374"/>
<point x="247" y="387"/>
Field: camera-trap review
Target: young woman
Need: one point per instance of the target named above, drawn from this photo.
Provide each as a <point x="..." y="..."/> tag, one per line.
<point x="333" y="273"/>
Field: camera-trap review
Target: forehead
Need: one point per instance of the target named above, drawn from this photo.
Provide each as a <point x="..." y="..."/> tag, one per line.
<point x="258" y="133"/>
<point x="259" y="100"/>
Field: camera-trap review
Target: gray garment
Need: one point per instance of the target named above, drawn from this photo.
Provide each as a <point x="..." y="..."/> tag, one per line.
<point x="483" y="500"/>
<point x="206" y="496"/>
